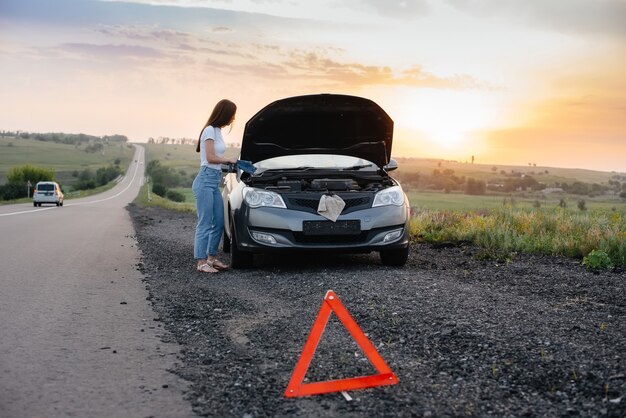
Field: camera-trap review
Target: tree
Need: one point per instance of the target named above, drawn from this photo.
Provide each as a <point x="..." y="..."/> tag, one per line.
<point x="25" y="173"/>
<point x="475" y="187"/>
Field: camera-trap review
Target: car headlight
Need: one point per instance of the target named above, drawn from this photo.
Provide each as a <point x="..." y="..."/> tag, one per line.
<point x="391" y="196"/>
<point x="256" y="198"/>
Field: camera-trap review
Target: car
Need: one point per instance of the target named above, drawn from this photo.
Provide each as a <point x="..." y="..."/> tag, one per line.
<point x="47" y="192"/>
<point x="306" y="149"/>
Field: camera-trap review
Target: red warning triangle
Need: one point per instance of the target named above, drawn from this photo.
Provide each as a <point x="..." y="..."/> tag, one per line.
<point x="384" y="377"/>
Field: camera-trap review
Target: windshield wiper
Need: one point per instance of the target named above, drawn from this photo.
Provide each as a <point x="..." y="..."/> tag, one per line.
<point x="357" y="167"/>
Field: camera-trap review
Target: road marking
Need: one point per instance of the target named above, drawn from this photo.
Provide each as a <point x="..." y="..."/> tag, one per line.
<point x="27" y="211"/>
<point x="78" y="204"/>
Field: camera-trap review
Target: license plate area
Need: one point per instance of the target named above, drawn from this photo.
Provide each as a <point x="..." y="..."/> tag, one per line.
<point x="349" y="227"/>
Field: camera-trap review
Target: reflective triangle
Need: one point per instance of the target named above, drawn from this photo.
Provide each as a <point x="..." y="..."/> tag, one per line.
<point x="384" y="377"/>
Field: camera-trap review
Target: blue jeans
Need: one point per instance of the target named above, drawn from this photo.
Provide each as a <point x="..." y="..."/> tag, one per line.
<point x="210" y="206"/>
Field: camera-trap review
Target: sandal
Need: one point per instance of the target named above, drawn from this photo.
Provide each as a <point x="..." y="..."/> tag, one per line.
<point x="217" y="264"/>
<point x="206" y="268"/>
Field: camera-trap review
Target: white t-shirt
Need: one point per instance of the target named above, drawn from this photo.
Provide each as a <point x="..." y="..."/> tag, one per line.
<point x="211" y="133"/>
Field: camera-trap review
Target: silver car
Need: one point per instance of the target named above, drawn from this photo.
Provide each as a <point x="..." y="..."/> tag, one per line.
<point x="321" y="182"/>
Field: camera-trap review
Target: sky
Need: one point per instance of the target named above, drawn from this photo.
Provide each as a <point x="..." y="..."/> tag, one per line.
<point x="504" y="81"/>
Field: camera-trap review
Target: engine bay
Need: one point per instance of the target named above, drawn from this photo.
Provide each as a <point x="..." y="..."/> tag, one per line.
<point x="323" y="183"/>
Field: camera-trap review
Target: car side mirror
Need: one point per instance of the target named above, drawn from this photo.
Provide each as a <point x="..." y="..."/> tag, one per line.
<point x="393" y="165"/>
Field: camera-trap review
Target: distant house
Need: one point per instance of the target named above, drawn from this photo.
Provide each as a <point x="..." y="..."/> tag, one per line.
<point x="549" y="190"/>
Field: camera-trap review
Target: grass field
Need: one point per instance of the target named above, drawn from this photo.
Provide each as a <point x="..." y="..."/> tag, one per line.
<point x="62" y="158"/>
<point x="183" y="158"/>
<point x="486" y="172"/>
<point x="461" y="202"/>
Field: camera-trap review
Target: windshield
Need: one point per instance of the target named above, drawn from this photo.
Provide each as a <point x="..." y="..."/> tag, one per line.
<point x="315" y="161"/>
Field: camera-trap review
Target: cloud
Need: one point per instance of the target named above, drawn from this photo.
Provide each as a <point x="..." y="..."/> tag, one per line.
<point x="356" y="75"/>
<point x="112" y="52"/>
<point x="404" y="9"/>
<point x="606" y="17"/>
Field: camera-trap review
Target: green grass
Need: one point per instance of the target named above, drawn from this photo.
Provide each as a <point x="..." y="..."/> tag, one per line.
<point x="187" y="192"/>
<point x="62" y="158"/>
<point x="183" y="158"/>
<point x="504" y="231"/>
<point x="429" y="200"/>
<point x="486" y="172"/>
<point x="146" y="199"/>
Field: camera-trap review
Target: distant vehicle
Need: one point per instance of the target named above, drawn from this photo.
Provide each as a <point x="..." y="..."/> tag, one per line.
<point x="48" y="192"/>
<point x="308" y="150"/>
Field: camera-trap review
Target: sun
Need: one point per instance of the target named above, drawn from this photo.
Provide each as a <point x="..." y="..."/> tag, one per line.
<point x="446" y="117"/>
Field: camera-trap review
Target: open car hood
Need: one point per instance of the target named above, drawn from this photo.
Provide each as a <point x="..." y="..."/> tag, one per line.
<point x="319" y="124"/>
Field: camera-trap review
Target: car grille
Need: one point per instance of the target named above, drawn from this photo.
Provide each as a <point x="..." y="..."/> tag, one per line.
<point x="300" y="238"/>
<point x="310" y="204"/>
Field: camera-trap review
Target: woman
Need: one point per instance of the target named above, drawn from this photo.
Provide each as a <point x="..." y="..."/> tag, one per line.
<point x="206" y="188"/>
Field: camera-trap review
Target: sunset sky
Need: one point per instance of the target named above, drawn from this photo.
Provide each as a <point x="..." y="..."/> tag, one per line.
<point x="507" y="81"/>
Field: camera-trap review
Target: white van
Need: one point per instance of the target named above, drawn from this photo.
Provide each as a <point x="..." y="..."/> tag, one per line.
<point x="47" y="192"/>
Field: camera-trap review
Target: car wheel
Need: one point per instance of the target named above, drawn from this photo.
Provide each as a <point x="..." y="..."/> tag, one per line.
<point x="61" y="203"/>
<point x="226" y="243"/>
<point x="58" y="204"/>
<point x="238" y="259"/>
<point x="394" y="257"/>
<point x="35" y="204"/>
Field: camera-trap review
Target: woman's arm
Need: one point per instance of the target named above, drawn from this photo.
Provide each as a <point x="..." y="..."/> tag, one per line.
<point x="213" y="158"/>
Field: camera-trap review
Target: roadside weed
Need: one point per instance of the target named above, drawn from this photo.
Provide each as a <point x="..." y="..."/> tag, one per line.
<point x="599" y="236"/>
<point x="596" y="260"/>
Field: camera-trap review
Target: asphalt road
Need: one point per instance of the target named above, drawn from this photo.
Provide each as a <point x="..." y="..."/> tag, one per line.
<point x="77" y="335"/>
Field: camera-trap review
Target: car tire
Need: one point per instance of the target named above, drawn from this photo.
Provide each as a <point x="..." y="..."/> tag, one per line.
<point x="394" y="257"/>
<point x="61" y="203"/>
<point x="58" y="204"/>
<point x="238" y="259"/>
<point x="35" y="204"/>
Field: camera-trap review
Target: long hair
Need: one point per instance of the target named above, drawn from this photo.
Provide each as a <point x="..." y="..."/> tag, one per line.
<point x="221" y="116"/>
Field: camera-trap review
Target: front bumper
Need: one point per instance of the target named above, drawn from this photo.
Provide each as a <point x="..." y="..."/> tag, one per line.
<point x="285" y="228"/>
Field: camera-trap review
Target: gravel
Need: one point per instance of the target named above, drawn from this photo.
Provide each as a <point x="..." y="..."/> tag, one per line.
<point x="536" y="336"/>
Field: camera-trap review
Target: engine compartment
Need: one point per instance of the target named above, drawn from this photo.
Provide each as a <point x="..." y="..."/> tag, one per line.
<point x="320" y="183"/>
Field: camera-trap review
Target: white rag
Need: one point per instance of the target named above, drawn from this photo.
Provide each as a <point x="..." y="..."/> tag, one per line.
<point x="330" y="207"/>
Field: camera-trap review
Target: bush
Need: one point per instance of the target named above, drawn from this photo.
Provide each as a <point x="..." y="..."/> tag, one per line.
<point x="12" y="191"/>
<point x="25" y="173"/>
<point x="105" y="175"/>
<point x="159" y="189"/>
<point x="160" y="174"/>
<point x="596" y="260"/>
<point x="88" y="180"/>
<point x="175" y="196"/>
<point x="475" y="187"/>
<point x="85" y="185"/>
